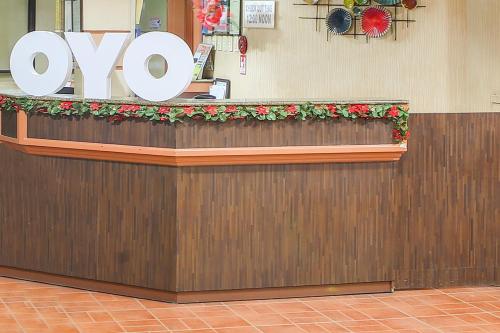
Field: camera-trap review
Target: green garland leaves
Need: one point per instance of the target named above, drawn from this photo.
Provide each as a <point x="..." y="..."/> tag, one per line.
<point x="396" y="113"/>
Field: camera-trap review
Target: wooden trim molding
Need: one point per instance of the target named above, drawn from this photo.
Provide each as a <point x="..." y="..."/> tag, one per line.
<point x="199" y="296"/>
<point x="200" y="156"/>
<point x="208" y="156"/>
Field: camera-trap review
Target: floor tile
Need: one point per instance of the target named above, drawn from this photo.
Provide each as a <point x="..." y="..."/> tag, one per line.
<point x="281" y="329"/>
<point x="266" y="319"/>
<point x="226" y="321"/>
<point x="27" y="307"/>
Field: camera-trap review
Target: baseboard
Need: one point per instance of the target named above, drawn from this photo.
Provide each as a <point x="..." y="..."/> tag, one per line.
<point x="198" y="296"/>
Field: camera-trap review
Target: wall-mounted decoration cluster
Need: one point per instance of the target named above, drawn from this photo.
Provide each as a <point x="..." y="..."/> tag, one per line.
<point x="367" y="18"/>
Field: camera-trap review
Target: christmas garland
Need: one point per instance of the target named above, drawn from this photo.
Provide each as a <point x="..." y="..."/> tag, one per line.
<point x="396" y="113"/>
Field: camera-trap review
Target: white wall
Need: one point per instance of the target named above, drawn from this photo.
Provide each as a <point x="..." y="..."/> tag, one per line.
<point x="446" y="62"/>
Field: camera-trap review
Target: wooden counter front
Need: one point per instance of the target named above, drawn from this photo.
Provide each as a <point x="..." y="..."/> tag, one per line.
<point x="226" y="232"/>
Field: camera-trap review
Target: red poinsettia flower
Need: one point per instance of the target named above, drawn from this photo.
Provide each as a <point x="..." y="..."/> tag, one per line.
<point x="66" y="105"/>
<point x="188" y="110"/>
<point x="95" y="106"/>
<point x="262" y="110"/>
<point x="163" y="118"/>
<point x="394" y="112"/>
<point x="333" y="110"/>
<point x="128" y="108"/>
<point x="3" y="99"/>
<point x="360" y="109"/>
<point x="164" y="110"/>
<point x="291" y="109"/>
<point x="231" y="109"/>
<point x="211" y="109"/>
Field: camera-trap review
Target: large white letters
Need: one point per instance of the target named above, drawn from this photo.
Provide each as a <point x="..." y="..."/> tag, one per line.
<point x="97" y="63"/>
<point x="59" y="69"/>
<point x="180" y="66"/>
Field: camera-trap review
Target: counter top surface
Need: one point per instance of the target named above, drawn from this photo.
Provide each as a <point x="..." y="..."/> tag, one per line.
<point x="181" y="102"/>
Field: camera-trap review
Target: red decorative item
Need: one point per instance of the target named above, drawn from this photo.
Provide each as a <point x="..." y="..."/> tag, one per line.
<point x="66" y="105"/>
<point x="376" y="21"/>
<point x="409" y="4"/>
<point x="209" y="14"/>
<point x="243" y="45"/>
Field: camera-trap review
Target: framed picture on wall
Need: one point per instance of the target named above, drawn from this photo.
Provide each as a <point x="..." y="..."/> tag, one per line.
<point x="230" y="23"/>
<point x="223" y="27"/>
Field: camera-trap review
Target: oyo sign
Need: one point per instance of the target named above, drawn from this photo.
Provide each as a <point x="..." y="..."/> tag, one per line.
<point x="98" y="62"/>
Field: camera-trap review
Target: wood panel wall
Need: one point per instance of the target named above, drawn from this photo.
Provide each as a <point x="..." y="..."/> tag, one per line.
<point x="8" y="124"/>
<point x="430" y="220"/>
<point x="95" y="220"/>
<point x="218" y="135"/>
<point x="134" y="133"/>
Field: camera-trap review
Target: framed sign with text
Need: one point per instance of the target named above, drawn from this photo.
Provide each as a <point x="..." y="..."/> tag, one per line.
<point x="259" y="14"/>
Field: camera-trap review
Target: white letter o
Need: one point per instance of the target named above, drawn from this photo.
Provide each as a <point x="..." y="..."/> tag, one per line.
<point x="180" y="66"/>
<point x="60" y="63"/>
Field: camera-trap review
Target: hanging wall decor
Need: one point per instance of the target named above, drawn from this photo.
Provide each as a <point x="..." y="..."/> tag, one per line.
<point x="361" y="18"/>
<point x="219" y="17"/>
<point x="376" y="21"/>
<point x="339" y="21"/>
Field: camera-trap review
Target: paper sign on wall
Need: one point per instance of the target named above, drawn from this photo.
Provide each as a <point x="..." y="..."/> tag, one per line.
<point x="243" y="64"/>
<point x="259" y="14"/>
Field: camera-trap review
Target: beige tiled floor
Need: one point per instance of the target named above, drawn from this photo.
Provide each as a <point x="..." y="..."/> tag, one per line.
<point x="33" y="307"/>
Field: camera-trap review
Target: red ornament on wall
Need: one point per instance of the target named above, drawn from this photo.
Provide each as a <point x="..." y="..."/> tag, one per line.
<point x="376" y="21"/>
<point x="243" y="45"/>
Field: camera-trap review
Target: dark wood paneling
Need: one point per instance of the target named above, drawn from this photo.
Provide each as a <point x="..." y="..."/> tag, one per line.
<point x="9" y="124"/>
<point x="95" y="220"/>
<point x="199" y="134"/>
<point x="133" y="133"/>
<point x="282" y="133"/>
<point x="430" y="220"/>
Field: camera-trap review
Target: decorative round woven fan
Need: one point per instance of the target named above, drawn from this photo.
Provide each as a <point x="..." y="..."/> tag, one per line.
<point x="376" y="21"/>
<point x="339" y="21"/>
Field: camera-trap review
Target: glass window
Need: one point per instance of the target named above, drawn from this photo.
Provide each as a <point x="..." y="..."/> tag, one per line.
<point x="13" y="25"/>
<point x="49" y="15"/>
<point x="152" y="16"/>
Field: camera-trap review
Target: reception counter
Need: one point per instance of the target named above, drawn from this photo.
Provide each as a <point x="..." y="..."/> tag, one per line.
<point x="194" y="201"/>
